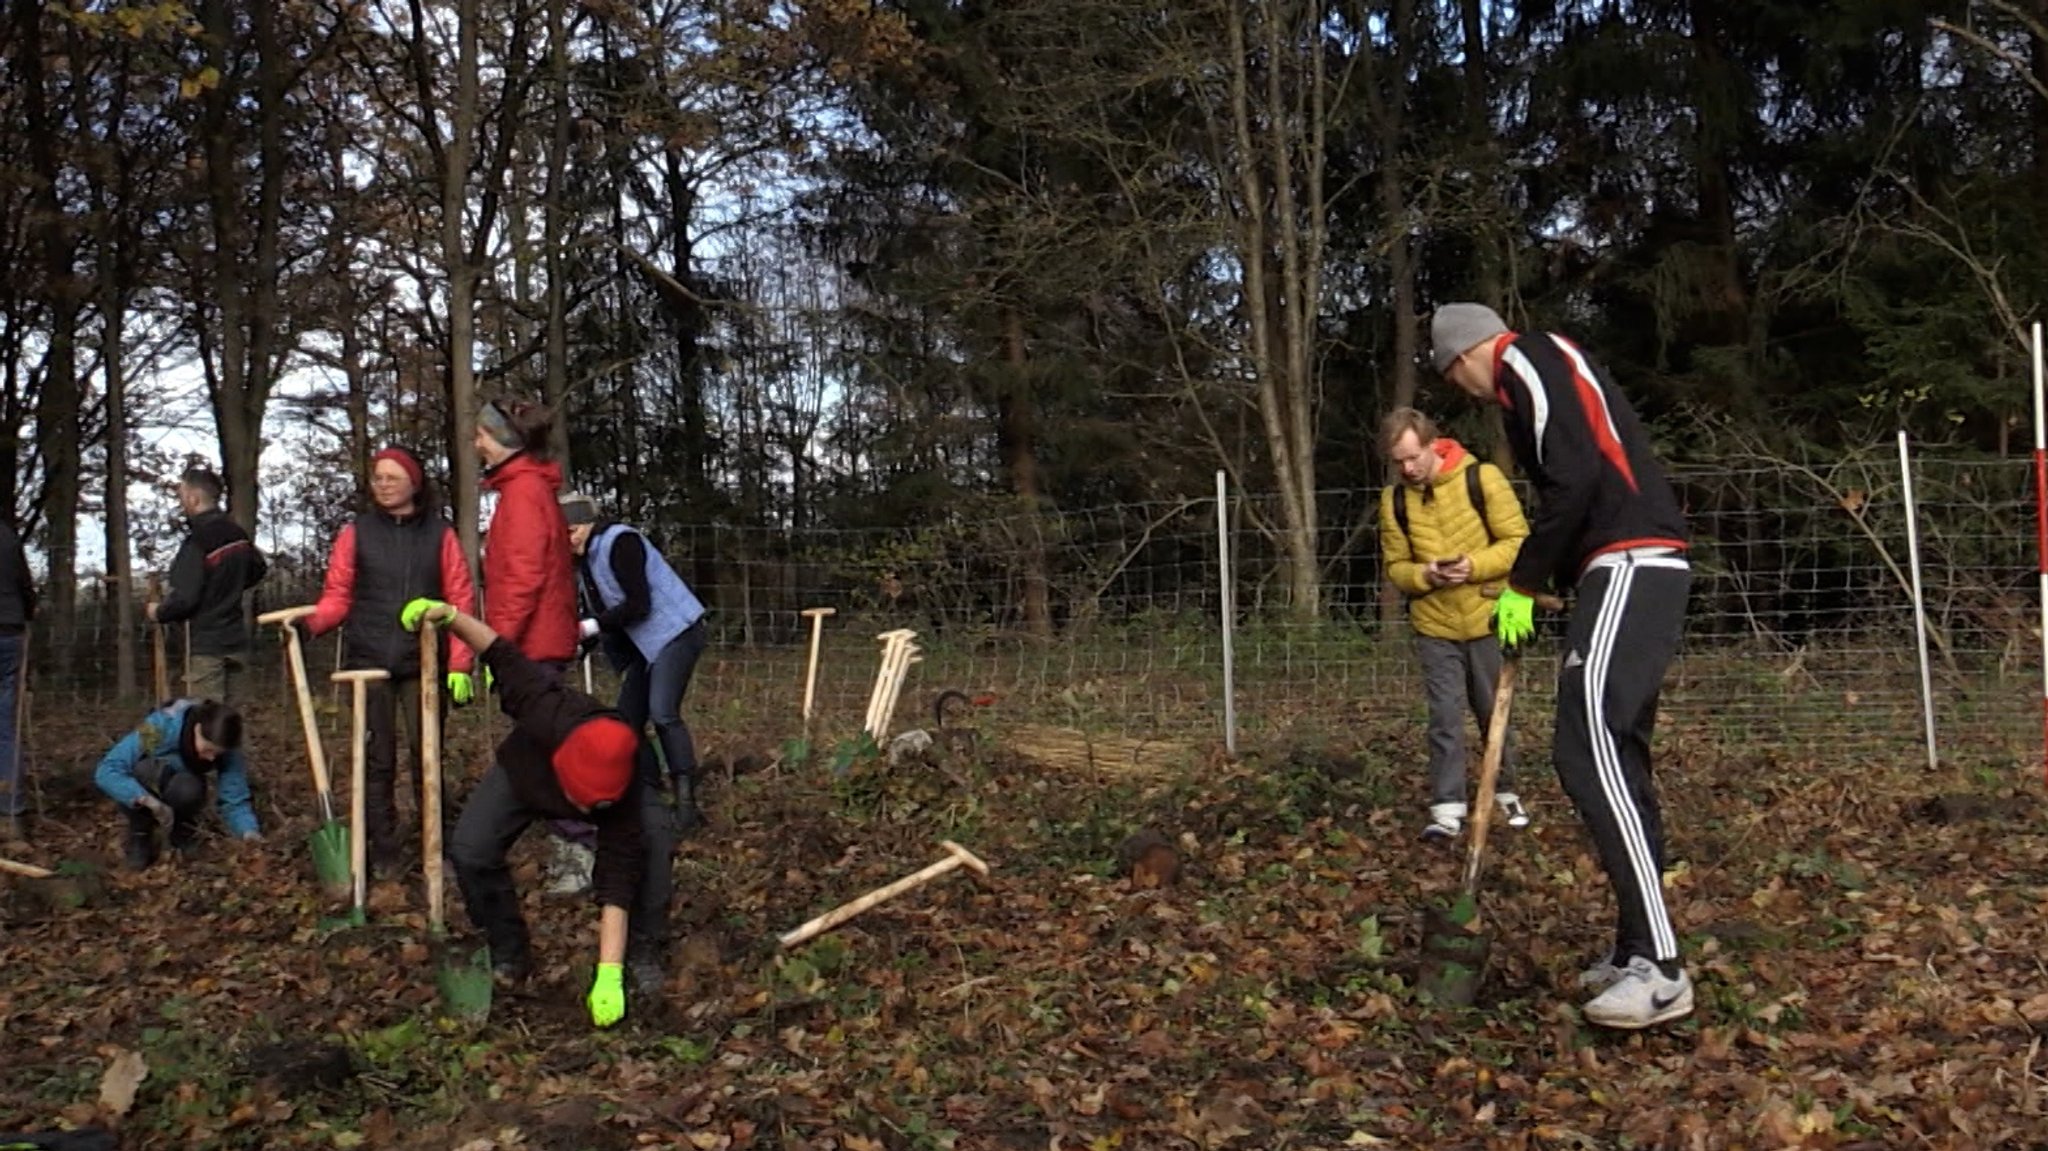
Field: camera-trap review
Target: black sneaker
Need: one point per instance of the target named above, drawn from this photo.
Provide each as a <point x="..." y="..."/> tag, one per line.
<point x="508" y="973"/>
<point x="643" y="967"/>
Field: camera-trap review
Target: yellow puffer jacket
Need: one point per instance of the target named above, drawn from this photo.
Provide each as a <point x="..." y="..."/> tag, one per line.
<point x="1443" y="525"/>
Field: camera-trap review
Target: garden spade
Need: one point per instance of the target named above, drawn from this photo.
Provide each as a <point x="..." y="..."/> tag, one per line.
<point x="465" y="984"/>
<point x="1455" y="944"/>
<point x="329" y="843"/>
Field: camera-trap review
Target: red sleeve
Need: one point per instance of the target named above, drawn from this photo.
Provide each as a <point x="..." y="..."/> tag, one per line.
<point x="456" y="589"/>
<point x="518" y="563"/>
<point x="339" y="592"/>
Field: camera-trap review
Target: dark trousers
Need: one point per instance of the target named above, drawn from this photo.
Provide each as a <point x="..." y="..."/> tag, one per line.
<point x="492" y="821"/>
<point x="1623" y="633"/>
<point x="184" y="792"/>
<point x="655" y="691"/>
<point x="393" y="707"/>
<point x="13" y="783"/>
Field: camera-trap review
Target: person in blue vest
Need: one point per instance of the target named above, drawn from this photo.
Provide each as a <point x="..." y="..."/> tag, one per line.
<point x="157" y="774"/>
<point x="651" y="627"/>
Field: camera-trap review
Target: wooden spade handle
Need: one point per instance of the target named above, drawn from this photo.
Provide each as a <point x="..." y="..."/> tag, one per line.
<point x="29" y="870"/>
<point x="957" y="857"/>
<point x="286" y="615"/>
<point x="316" y="748"/>
<point x="1489" y="771"/>
<point x="430" y="772"/>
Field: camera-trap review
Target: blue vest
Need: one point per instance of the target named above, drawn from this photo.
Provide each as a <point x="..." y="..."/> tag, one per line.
<point x="672" y="607"/>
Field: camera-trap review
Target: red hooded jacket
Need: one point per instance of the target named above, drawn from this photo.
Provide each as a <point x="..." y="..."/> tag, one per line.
<point x="529" y="571"/>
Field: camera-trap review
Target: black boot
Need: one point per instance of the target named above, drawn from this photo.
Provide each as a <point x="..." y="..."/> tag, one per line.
<point x="140" y="849"/>
<point x="689" y="817"/>
<point x="644" y="967"/>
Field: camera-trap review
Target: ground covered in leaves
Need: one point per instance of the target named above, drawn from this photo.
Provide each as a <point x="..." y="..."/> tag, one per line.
<point x="1864" y="936"/>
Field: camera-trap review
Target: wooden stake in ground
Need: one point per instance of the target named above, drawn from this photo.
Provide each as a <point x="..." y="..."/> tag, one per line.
<point x="430" y="772"/>
<point x="817" y="617"/>
<point x="910" y="654"/>
<point x="956" y="858"/>
<point x="894" y="645"/>
<point x="358" y="860"/>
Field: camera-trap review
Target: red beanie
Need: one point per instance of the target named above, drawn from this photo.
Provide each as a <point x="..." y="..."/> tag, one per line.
<point x="406" y="460"/>
<point x="595" y="763"/>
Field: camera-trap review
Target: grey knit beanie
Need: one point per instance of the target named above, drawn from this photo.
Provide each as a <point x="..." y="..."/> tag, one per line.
<point x="1457" y="329"/>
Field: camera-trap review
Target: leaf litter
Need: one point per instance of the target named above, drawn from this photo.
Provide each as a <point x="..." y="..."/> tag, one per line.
<point x="1866" y="963"/>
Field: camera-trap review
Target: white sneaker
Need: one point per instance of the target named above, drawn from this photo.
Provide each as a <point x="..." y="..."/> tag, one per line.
<point x="568" y="869"/>
<point x="1642" y="997"/>
<point x="1511" y="808"/>
<point x="1446" y="820"/>
<point x="1602" y="975"/>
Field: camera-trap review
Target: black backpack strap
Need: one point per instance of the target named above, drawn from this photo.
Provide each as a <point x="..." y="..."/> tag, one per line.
<point x="1401" y="513"/>
<point x="1476" y="492"/>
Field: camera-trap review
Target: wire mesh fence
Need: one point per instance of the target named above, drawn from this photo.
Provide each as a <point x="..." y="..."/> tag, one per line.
<point x="1800" y="634"/>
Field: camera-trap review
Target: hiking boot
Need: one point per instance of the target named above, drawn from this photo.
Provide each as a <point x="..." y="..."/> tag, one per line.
<point x="509" y="972"/>
<point x="643" y="967"/>
<point x="1446" y="820"/>
<point x="1643" y="997"/>
<point x="568" y="868"/>
<point x="138" y="850"/>
<point x="1511" y="810"/>
<point x="1602" y="975"/>
<point x="689" y="817"/>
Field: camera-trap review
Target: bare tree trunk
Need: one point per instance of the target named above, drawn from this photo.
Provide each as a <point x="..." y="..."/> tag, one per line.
<point x="1385" y="108"/>
<point x="1280" y="304"/>
<point x="357" y="374"/>
<point x="57" y="404"/>
<point x="462" y="273"/>
<point x="555" y="386"/>
<point x="1017" y="441"/>
<point x="1479" y="122"/>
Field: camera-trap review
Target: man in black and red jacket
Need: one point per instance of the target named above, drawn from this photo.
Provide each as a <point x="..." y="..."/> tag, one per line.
<point x="568" y="757"/>
<point x="215" y="565"/>
<point x="1609" y="526"/>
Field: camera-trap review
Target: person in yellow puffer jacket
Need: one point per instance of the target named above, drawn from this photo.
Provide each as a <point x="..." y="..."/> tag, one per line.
<point x="1441" y="548"/>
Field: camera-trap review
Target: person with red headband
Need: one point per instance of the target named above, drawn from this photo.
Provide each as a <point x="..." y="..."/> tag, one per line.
<point x="398" y="549"/>
<point x="568" y="757"/>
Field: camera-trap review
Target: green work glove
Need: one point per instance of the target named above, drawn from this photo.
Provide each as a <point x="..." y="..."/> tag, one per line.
<point x="608" y="995"/>
<point x="1514" y="618"/>
<point x="409" y="618"/>
<point x="461" y="688"/>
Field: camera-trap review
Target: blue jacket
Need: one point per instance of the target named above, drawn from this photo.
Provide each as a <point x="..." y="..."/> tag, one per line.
<point x="159" y="742"/>
<point x="637" y="592"/>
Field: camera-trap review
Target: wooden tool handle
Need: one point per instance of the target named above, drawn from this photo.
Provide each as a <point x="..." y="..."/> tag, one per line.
<point x="820" y="612"/>
<point x="365" y="675"/>
<point x="430" y="773"/>
<point x="1489" y="771"/>
<point x="29" y="870"/>
<point x="956" y="858"/>
<point x="286" y="615"/>
<point x="309" y="722"/>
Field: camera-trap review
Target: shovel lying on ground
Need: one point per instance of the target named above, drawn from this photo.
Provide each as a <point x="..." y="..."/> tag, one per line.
<point x="956" y="857"/>
<point x="329" y="844"/>
<point x="1455" y="943"/>
<point x="70" y="886"/>
<point x="465" y="984"/>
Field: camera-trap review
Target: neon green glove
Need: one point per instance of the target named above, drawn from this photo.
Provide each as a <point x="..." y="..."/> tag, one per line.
<point x="608" y="995"/>
<point x="410" y="616"/>
<point x="1514" y="618"/>
<point x="461" y="688"/>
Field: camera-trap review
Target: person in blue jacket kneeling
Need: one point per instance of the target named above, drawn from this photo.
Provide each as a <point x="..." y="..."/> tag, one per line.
<point x="157" y="774"/>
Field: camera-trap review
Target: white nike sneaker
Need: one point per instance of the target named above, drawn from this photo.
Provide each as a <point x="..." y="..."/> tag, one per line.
<point x="1602" y="975"/>
<point x="1642" y="997"/>
<point x="1511" y="808"/>
<point x="1446" y="820"/>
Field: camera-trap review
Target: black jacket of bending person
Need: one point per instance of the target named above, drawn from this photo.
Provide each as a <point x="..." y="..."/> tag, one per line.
<point x="544" y="711"/>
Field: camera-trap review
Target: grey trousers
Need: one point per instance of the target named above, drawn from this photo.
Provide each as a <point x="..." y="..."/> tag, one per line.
<point x="1457" y="675"/>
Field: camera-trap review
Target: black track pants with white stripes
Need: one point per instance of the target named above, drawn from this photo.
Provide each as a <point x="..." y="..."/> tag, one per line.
<point x="1624" y="629"/>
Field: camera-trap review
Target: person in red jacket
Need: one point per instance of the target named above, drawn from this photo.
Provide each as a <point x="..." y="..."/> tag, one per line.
<point x="530" y="579"/>
<point x="529" y="572"/>
<point x="398" y="550"/>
